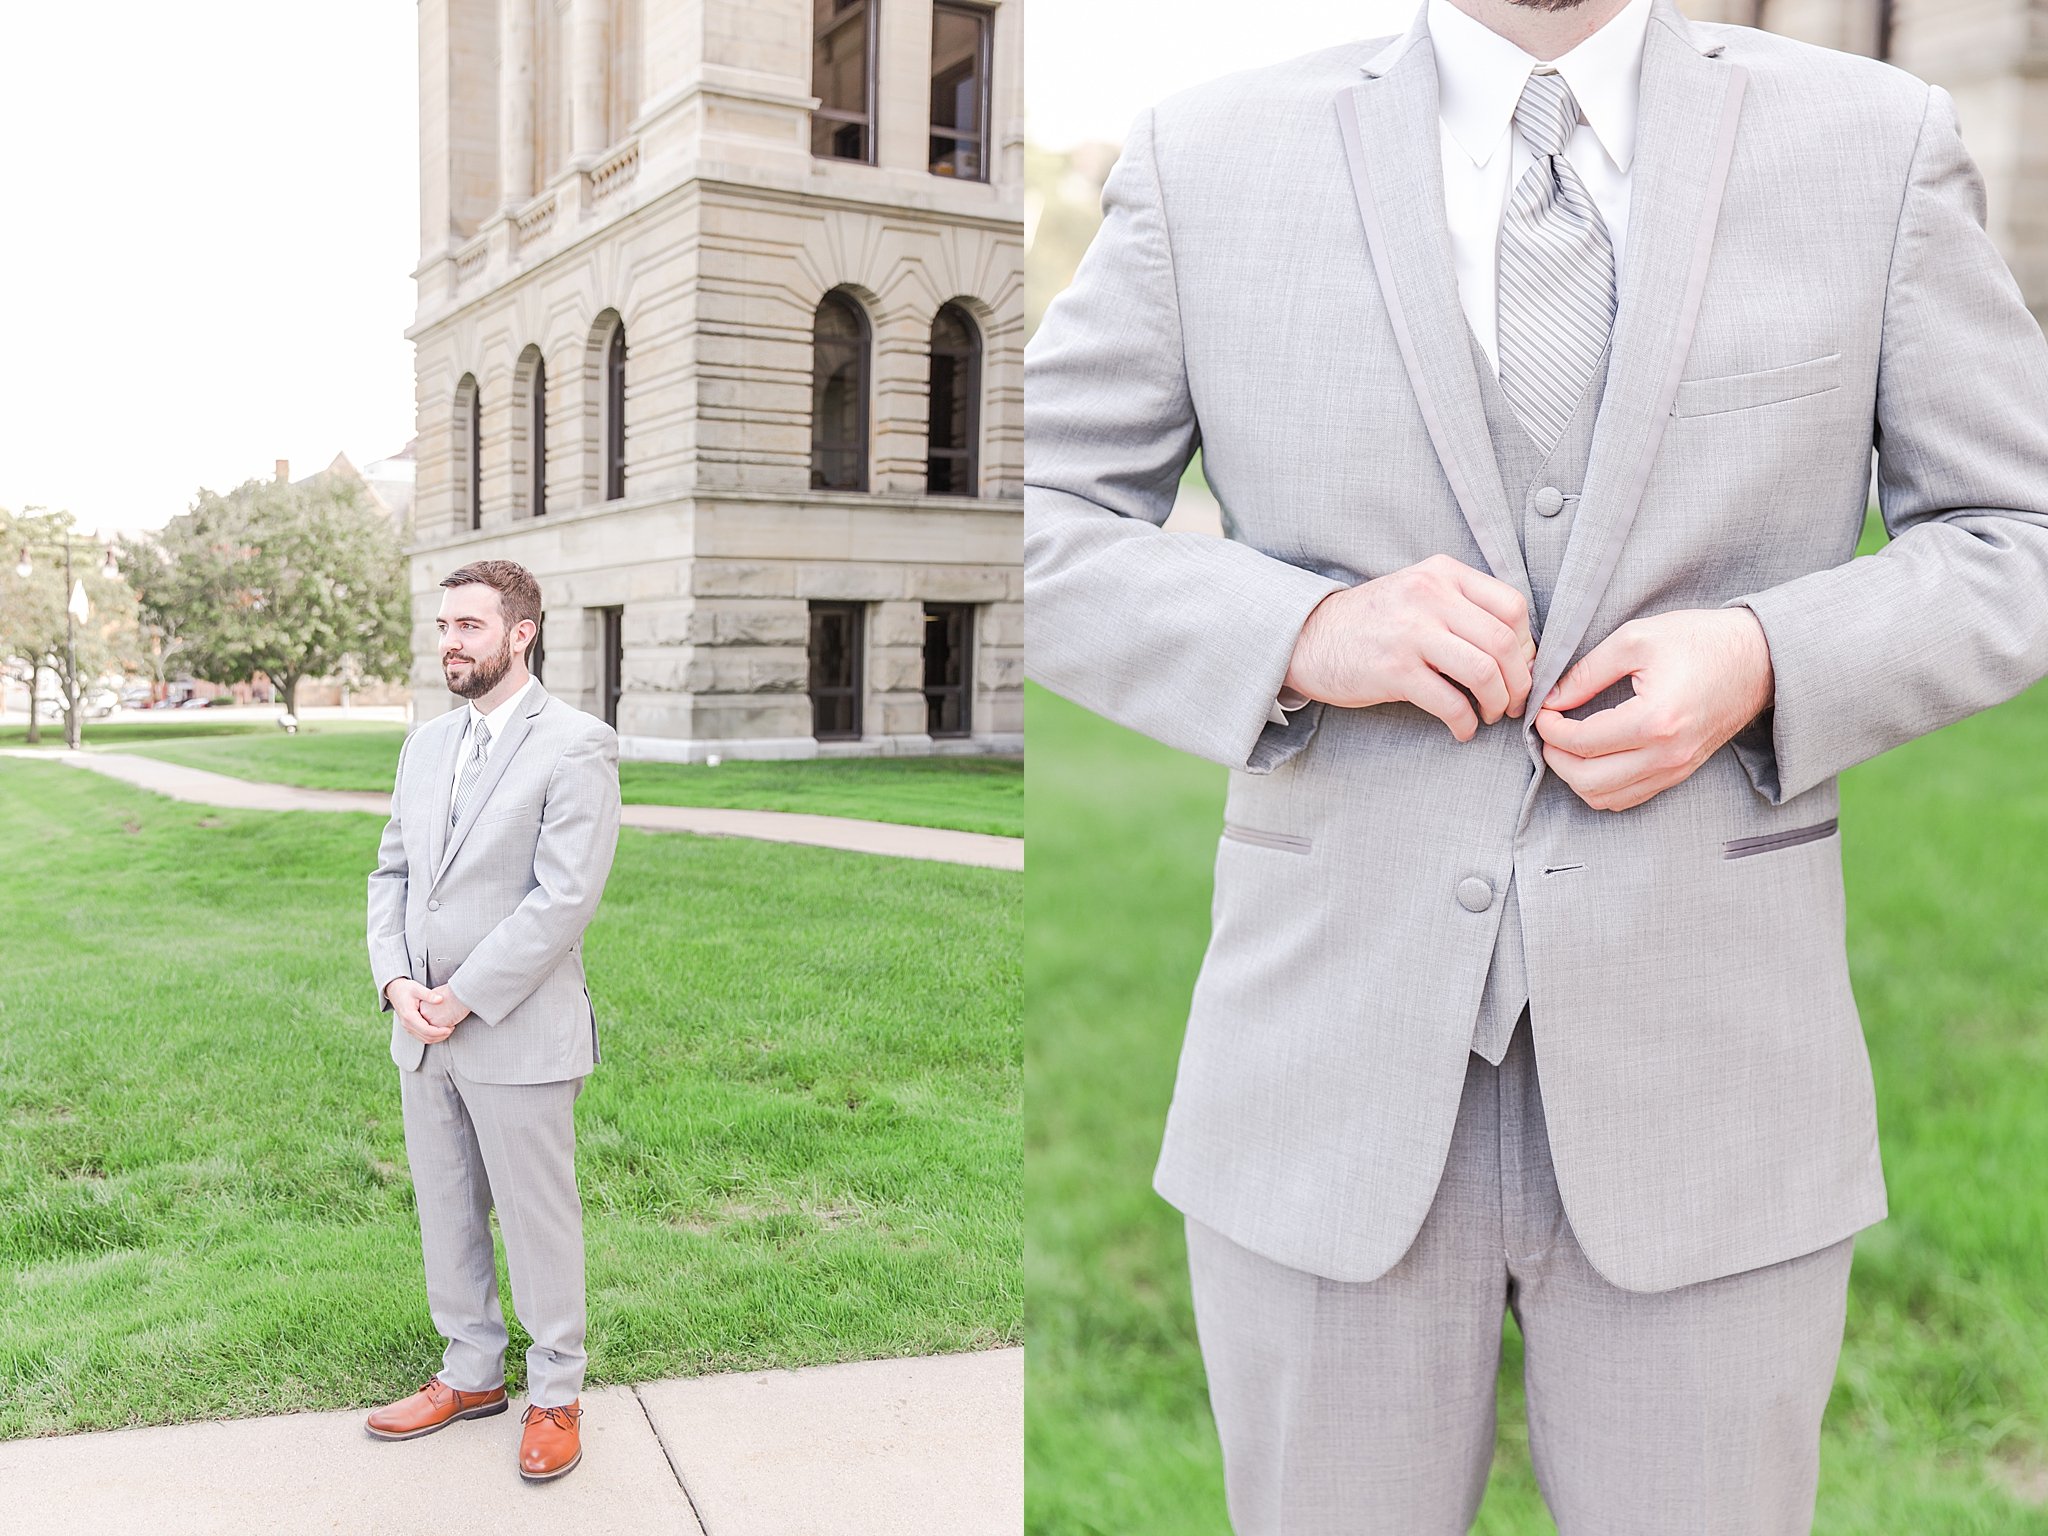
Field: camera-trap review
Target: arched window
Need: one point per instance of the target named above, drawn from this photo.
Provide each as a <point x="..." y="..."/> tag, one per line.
<point x="839" y="396"/>
<point x="530" y="431"/>
<point x="615" y="415"/>
<point x="537" y="441"/>
<point x="951" y="462"/>
<point x="469" y="452"/>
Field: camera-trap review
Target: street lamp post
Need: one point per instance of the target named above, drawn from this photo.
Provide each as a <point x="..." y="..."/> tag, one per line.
<point x="74" y="728"/>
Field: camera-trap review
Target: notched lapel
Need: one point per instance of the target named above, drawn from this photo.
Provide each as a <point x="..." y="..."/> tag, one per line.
<point x="502" y="752"/>
<point x="1389" y="125"/>
<point x="1689" y="102"/>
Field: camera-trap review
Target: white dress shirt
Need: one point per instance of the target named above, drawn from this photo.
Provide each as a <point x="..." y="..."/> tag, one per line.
<point x="1479" y="79"/>
<point x="496" y="720"/>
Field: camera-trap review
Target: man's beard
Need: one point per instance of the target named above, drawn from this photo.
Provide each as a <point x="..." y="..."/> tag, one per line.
<point x="484" y="673"/>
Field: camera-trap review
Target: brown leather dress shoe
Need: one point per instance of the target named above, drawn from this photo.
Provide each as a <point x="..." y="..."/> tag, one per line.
<point x="434" y="1406"/>
<point x="550" y="1444"/>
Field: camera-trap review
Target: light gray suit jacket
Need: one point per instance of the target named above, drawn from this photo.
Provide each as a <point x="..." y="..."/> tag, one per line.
<point x="1806" y="276"/>
<point x="496" y="909"/>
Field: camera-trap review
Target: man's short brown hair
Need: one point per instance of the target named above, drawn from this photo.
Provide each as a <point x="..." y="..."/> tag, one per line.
<point x="518" y="593"/>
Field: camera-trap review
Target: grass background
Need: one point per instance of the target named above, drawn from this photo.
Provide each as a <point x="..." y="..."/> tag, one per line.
<point x="967" y="794"/>
<point x="1938" y="1424"/>
<point x="802" y="1144"/>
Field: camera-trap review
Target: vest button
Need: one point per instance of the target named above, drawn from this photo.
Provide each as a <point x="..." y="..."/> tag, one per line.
<point x="1474" y="894"/>
<point x="1549" y="501"/>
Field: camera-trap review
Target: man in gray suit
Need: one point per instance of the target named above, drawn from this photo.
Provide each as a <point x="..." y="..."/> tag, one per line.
<point x="1537" y="358"/>
<point x="504" y="820"/>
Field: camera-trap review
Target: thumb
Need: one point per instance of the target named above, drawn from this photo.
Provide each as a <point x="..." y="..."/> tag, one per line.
<point x="1607" y="663"/>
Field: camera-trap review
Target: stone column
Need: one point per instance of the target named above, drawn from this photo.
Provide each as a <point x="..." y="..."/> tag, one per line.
<point x="589" y="45"/>
<point x="515" y="99"/>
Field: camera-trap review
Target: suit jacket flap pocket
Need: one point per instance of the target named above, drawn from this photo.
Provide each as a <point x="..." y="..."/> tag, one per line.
<point x="1286" y="842"/>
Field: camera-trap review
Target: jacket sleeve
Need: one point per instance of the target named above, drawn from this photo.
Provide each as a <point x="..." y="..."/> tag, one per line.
<point x="388" y="957"/>
<point x="1183" y="636"/>
<point x="1949" y="617"/>
<point x="579" y="833"/>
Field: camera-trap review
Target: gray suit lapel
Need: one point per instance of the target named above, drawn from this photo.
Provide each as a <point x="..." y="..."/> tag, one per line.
<point x="1391" y="140"/>
<point x="494" y="769"/>
<point x="1689" y="103"/>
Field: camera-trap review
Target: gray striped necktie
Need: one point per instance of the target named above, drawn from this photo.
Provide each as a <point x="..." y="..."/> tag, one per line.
<point x="471" y="771"/>
<point x="1556" y="271"/>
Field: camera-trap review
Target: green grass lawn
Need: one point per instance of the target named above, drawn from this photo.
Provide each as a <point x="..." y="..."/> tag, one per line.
<point x="1938" y="1424"/>
<point x="968" y="794"/>
<point x="802" y="1144"/>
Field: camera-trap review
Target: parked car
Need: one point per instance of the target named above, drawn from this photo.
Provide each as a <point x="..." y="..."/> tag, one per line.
<point x="91" y="706"/>
<point x="136" y="696"/>
<point x="194" y="703"/>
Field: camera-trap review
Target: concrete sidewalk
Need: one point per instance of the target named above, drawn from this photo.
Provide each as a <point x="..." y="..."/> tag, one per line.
<point x="877" y="1448"/>
<point x="883" y="837"/>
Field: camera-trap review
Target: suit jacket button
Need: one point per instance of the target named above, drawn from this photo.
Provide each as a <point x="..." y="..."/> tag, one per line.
<point x="1549" y="501"/>
<point x="1474" y="894"/>
<point x="435" y="906"/>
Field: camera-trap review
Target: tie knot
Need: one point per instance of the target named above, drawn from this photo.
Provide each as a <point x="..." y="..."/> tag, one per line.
<point x="483" y="732"/>
<point x="1547" y="113"/>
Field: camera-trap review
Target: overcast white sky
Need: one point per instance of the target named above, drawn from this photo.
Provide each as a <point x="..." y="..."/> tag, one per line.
<point x="1090" y="66"/>
<point x="212" y="212"/>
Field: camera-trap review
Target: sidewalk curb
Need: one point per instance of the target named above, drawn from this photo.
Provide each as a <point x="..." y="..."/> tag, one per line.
<point x="873" y="1448"/>
<point x="888" y="838"/>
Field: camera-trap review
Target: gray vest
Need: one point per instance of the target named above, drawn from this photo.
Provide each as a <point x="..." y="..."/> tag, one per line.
<point x="1546" y="490"/>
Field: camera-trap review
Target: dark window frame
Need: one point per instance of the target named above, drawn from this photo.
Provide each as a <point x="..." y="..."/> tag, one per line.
<point x="865" y="119"/>
<point x="980" y="134"/>
<point x="839" y="699"/>
<point x="964" y="477"/>
<point x="615" y="414"/>
<point x="611" y="650"/>
<point x="953" y="625"/>
<point x="470" y="393"/>
<point x="537" y="440"/>
<point x="861" y="347"/>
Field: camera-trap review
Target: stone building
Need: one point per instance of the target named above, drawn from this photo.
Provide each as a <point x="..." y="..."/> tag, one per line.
<point x="1991" y="55"/>
<point x="720" y="332"/>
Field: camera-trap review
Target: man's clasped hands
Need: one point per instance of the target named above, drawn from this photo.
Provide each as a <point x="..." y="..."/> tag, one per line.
<point x="1444" y="636"/>
<point x="428" y="1013"/>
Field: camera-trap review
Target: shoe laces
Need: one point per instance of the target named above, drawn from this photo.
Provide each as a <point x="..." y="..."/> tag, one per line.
<point x="563" y="1416"/>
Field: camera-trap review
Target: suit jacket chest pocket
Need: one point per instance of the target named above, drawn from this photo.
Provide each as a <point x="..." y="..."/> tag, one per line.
<point x="1721" y="394"/>
<point x="528" y="809"/>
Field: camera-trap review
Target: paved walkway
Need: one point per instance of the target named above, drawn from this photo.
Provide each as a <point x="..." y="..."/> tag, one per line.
<point x="878" y="1448"/>
<point x="884" y="837"/>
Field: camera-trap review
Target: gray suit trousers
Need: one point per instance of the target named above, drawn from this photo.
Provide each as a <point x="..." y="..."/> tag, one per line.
<point x="1365" y="1407"/>
<point x="473" y="1145"/>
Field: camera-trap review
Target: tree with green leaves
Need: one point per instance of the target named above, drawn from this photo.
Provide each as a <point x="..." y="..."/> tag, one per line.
<point x="32" y="629"/>
<point x="289" y="580"/>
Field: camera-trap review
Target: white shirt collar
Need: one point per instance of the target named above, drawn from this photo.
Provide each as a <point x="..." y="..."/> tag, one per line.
<point x="496" y="718"/>
<point x="1480" y="76"/>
